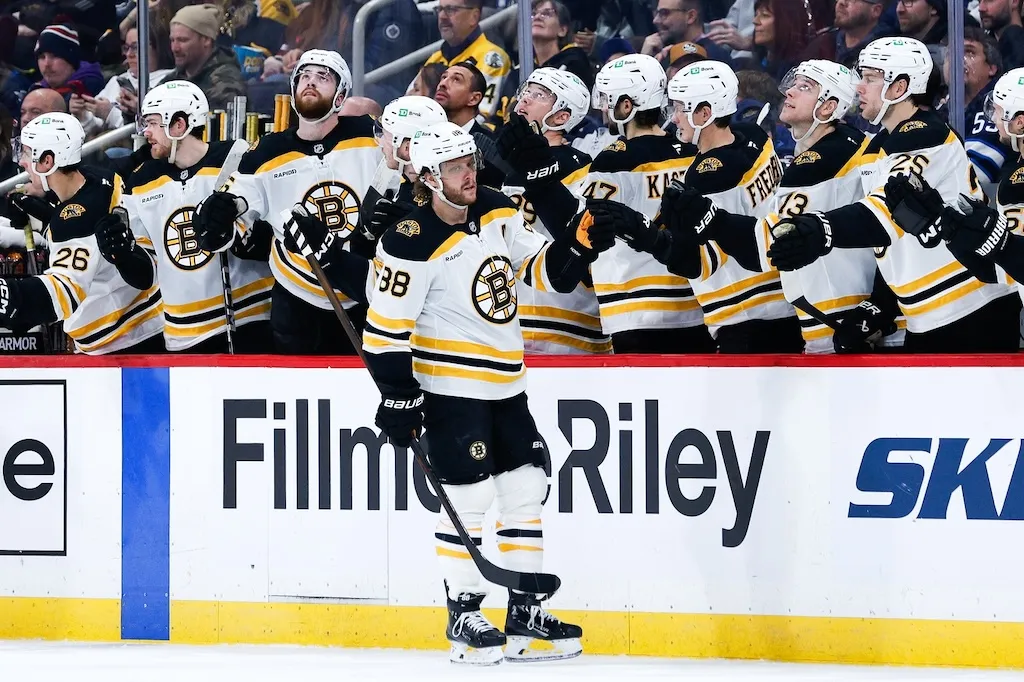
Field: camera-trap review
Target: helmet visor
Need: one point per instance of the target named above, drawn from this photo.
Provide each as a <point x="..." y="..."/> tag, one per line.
<point x="799" y="83"/>
<point x="990" y="108"/>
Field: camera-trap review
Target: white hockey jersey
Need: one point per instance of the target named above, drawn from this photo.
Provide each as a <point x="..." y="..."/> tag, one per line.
<point x="933" y="288"/>
<point x="635" y="291"/>
<point x="741" y="178"/>
<point x="329" y="177"/>
<point x="824" y="177"/>
<point x="161" y="201"/>
<point x="552" y="322"/>
<point x="101" y="313"/>
<point x="450" y="299"/>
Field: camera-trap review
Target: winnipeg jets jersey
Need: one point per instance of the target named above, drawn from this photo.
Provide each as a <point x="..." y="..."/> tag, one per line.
<point x="161" y="202"/>
<point x="448" y="297"/>
<point x="933" y="288"/>
<point x="328" y="177"/>
<point x="553" y="322"/>
<point x="101" y="313"/>
<point x="824" y="177"/>
<point x="741" y="178"/>
<point x="635" y="291"/>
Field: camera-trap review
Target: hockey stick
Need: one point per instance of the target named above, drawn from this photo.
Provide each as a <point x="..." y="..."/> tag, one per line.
<point x="536" y="583"/>
<point x="32" y="268"/>
<point x="812" y="311"/>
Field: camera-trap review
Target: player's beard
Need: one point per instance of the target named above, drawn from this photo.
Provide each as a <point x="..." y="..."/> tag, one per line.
<point x="159" y="151"/>
<point x="461" y="196"/>
<point x="310" y="109"/>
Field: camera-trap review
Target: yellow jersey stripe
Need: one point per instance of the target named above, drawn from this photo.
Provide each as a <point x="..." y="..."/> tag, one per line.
<point x="739" y="287"/>
<point x="571" y="341"/>
<point x="464" y="348"/>
<point x="218" y="301"/>
<point x="656" y="306"/>
<point x="722" y="315"/>
<point x="922" y="283"/>
<point x="184" y="331"/>
<point x="279" y="161"/>
<point x="966" y="288"/>
<point x="641" y="282"/>
<point x="434" y="370"/>
<point x="447" y="245"/>
<point x="592" y="322"/>
<point x="388" y="323"/>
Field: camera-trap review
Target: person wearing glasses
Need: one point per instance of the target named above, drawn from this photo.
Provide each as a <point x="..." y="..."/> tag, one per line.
<point x="459" y="24"/>
<point x="680" y="21"/>
<point x="119" y="98"/>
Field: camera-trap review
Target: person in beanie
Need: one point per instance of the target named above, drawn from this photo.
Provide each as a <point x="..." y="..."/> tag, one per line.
<point x="199" y="59"/>
<point x="58" y="54"/>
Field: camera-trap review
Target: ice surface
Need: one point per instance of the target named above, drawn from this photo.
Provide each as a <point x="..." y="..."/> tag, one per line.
<point x="64" y="661"/>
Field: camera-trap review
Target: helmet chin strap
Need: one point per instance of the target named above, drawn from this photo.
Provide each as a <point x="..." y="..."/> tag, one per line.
<point x="886" y="102"/>
<point x="43" y="175"/>
<point x="814" y="124"/>
<point x="621" y="125"/>
<point x="174" y="142"/>
<point x="696" y="128"/>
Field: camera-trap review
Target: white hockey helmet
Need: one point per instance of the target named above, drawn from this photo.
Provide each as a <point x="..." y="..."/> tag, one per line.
<point x="1008" y="93"/>
<point x="835" y="81"/>
<point x="404" y="117"/>
<point x="570" y="94"/>
<point x="436" y="144"/>
<point x="177" y="97"/>
<point x="333" y="62"/>
<point x="896" y="57"/>
<point x="705" y="82"/>
<point x="58" y="134"/>
<point x="639" y="77"/>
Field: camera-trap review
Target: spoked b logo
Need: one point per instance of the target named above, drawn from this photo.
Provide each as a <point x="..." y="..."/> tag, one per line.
<point x="33" y="468"/>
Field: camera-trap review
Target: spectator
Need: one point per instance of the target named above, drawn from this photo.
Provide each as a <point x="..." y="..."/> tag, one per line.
<point x="60" y="65"/>
<point x="459" y="25"/>
<point x="427" y="79"/>
<point x="628" y="19"/>
<point x="39" y="102"/>
<point x="858" y="24"/>
<point x="682" y="55"/>
<point x="199" y="59"/>
<point x="391" y="33"/>
<point x="119" y="98"/>
<point x="926" y="21"/>
<point x="459" y="93"/>
<point x="680" y="21"/>
<point x="361" y="106"/>
<point x="614" y="48"/>
<point x="727" y="32"/>
<point x="259" y="25"/>
<point x="1002" y="18"/>
<point x="786" y="33"/>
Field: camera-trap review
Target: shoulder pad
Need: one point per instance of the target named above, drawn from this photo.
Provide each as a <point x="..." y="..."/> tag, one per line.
<point x="488" y="199"/>
<point x="217" y="153"/>
<point x="1011" y="187"/>
<point x="268" y="148"/>
<point x="417" y="236"/>
<point x="76" y="217"/>
<point x="636" y="152"/>
<point x="147" y="172"/>
<point x="352" y="126"/>
<point x="876" y="143"/>
<point x="920" y="132"/>
<point x="719" y="170"/>
<point x="824" y="160"/>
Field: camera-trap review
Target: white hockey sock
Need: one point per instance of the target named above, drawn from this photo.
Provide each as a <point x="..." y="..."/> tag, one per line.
<point x="457" y="568"/>
<point x="520" y="535"/>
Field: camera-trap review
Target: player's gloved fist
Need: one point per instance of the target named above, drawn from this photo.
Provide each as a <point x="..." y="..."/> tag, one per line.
<point x="215" y="220"/>
<point x="799" y="241"/>
<point x="24" y="205"/>
<point x="635" y="228"/>
<point x="400" y="415"/>
<point x="916" y="207"/>
<point x="684" y="209"/>
<point x="593" y="232"/>
<point x="976" y="228"/>
<point x="387" y="212"/>
<point x="526" y="150"/>
<point x="114" y="237"/>
<point x="306" y="235"/>
<point x="862" y="327"/>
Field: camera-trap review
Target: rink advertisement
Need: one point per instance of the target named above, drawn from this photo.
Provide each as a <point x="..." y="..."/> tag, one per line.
<point x="806" y="512"/>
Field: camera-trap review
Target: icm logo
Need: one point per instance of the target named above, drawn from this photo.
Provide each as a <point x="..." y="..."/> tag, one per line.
<point x="928" y="477"/>
<point x="33" y="448"/>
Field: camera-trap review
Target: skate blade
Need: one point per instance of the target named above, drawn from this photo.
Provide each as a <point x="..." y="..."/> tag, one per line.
<point x="467" y="655"/>
<point x="529" y="650"/>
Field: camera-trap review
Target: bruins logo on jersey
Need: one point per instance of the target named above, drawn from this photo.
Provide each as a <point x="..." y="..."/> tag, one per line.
<point x="180" y="240"/>
<point x="912" y="125"/>
<point x="807" y="157"/>
<point x="72" y="211"/>
<point x="1017" y="177"/>
<point x="617" y="146"/>
<point x="410" y="228"/>
<point x="494" y="291"/>
<point x="709" y="164"/>
<point x="336" y="204"/>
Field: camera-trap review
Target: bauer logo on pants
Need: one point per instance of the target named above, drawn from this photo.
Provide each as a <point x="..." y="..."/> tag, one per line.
<point x="33" y="447"/>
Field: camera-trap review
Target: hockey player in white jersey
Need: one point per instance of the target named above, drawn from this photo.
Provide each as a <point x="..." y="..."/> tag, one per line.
<point x="554" y="102"/>
<point x="942" y="300"/>
<point x="326" y="165"/>
<point x="161" y="198"/>
<point x="101" y="313"/>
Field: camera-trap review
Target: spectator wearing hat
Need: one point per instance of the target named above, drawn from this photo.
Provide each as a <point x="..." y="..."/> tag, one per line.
<point x="680" y="21"/>
<point x="58" y="55"/>
<point x="858" y="24"/>
<point x="198" y="58"/>
<point x="612" y="49"/>
<point x="681" y="55"/>
<point x="926" y="21"/>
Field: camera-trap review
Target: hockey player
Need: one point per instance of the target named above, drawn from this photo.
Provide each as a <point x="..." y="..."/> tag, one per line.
<point x="556" y="101"/>
<point x="944" y="304"/>
<point x="736" y="168"/>
<point x="326" y="165"/>
<point x="453" y="364"/>
<point x="161" y="201"/>
<point x="101" y="313"/>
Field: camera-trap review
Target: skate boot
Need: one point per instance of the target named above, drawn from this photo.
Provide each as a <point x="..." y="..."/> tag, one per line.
<point x="474" y="640"/>
<point x="535" y="635"/>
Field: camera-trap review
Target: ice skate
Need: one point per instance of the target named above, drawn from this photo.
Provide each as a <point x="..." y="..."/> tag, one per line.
<point x="535" y="635"/>
<point x="474" y="640"/>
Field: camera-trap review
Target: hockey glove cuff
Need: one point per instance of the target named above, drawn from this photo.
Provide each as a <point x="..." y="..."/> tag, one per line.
<point x="976" y="228"/>
<point x="306" y="235"/>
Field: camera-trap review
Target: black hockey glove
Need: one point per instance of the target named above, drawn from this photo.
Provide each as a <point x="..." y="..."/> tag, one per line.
<point x="862" y="327"/>
<point x="24" y="205"/>
<point x="685" y="210"/>
<point x="114" y="238"/>
<point x="10" y="300"/>
<point x="916" y="207"/>
<point x="305" y="234"/>
<point x="799" y="241"/>
<point x="527" y="151"/>
<point x="976" y="228"/>
<point x="400" y="415"/>
<point x="387" y="212"/>
<point x="215" y="218"/>
<point x="633" y="227"/>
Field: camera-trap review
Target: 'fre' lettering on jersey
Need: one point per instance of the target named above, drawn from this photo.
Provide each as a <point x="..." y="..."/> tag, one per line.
<point x="765" y="182"/>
